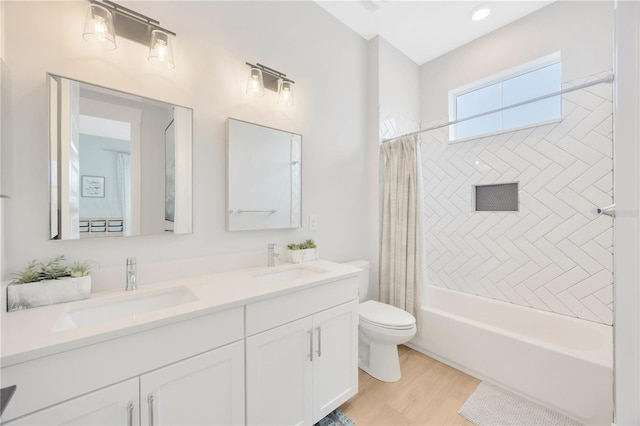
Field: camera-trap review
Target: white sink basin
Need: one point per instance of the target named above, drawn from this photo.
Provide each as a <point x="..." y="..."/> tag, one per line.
<point x="130" y="305"/>
<point x="290" y="274"/>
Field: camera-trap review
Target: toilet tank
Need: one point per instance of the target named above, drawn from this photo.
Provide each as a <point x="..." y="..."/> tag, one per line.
<point x="363" y="278"/>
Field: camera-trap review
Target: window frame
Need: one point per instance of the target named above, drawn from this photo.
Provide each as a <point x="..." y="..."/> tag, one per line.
<point x="500" y="77"/>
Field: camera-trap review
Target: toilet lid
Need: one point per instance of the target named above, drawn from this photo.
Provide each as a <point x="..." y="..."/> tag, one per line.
<point x="385" y="315"/>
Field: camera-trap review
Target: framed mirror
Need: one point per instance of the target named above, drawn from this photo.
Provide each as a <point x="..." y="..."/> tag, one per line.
<point x="120" y="164"/>
<point x="264" y="176"/>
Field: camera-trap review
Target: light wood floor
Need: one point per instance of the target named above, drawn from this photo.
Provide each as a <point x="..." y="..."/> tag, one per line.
<point x="429" y="393"/>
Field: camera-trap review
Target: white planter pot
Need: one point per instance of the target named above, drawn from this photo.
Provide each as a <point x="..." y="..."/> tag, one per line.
<point x="48" y="292"/>
<point x="300" y="256"/>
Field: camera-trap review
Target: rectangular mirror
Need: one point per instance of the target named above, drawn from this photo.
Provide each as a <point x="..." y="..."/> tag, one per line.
<point x="120" y="164"/>
<point x="264" y="170"/>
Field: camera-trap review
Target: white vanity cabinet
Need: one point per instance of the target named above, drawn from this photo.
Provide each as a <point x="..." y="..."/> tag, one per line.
<point x="279" y="375"/>
<point x="194" y="368"/>
<point x="284" y="354"/>
<point x="114" y="405"/>
<point x="302" y="370"/>
<point x="207" y="389"/>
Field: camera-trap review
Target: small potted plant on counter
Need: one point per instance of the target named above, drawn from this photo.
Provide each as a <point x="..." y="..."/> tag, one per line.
<point x="48" y="283"/>
<point x="303" y="252"/>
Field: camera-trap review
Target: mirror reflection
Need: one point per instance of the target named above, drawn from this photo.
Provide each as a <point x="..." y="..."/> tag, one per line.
<point x="264" y="167"/>
<point x="120" y="163"/>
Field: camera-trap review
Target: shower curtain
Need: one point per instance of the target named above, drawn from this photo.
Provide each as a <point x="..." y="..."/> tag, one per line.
<point x="123" y="166"/>
<point x="401" y="258"/>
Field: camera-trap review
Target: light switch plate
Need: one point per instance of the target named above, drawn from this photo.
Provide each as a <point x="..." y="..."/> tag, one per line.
<point x="313" y="222"/>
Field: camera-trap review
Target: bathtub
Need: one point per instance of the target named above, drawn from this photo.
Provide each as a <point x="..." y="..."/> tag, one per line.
<point x="558" y="361"/>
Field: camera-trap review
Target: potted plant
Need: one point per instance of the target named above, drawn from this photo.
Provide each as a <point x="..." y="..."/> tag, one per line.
<point x="303" y="252"/>
<point x="48" y="283"/>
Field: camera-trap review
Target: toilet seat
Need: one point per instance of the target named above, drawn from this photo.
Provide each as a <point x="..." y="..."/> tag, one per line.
<point x="385" y="316"/>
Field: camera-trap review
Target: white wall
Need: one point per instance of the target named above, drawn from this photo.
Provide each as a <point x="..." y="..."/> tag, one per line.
<point x="214" y="40"/>
<point x="399" y="82"/>
<point x="2" y="88"/>
<point x="627" y="229"/>
<point x="552" y="254"/>
<point x="95" y="161"/>
<point x="581" y="30"/>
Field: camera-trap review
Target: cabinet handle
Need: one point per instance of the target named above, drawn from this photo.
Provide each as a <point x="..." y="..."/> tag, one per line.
<point x="319" y="341"/>
<point x="150" y="403"/>
<point x="130" y="414"/>
<point x="310" y="344"/>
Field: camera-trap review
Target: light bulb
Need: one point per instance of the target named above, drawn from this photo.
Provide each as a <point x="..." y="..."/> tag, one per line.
<point x="160" y="51"/>
<point x="98" y="27"/>
<point x="286" y="93"/>
<point x="255" y="85"/>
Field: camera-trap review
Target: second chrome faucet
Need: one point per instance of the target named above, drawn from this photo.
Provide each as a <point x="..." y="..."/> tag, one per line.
<point x="271" y="254"/>
<point x="131" y="274"/>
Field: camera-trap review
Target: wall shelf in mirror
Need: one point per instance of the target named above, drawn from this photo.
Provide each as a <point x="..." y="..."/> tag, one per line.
<point x="264" y="176"/>
<point x="141" y="150"/>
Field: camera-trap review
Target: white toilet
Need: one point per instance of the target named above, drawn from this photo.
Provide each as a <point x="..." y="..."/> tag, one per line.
<point x="382" y="328"/>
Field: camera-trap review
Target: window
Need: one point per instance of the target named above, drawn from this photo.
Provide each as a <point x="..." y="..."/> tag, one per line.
<point x="529" y="81"/>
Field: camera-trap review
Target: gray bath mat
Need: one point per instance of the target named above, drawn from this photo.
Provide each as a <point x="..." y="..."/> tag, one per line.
<point x="490" y="405"/>
<point x="335" y="418"/>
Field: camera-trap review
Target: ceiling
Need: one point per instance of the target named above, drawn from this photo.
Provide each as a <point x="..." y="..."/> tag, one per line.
<point x="424" y="30"/>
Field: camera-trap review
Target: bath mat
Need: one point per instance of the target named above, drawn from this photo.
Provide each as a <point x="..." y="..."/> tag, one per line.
<point x="335" y="418"/>
<point x="491" y="405"/>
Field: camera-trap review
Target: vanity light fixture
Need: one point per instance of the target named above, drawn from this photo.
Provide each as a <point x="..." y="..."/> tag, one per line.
<point x="106" y="19"/>
<point x="262" y="77"/>
<point x="98" y="27"/>
<point x="285" y="96"/>
<point x="255" y="83"/>
<point x="479" y="13"/>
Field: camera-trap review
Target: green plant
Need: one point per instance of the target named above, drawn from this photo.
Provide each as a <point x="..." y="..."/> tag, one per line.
<point x="53" y="269"/>
<point x="309" y="244"/>
<point x="80" y="268"/>
<point x="28" y="275"/>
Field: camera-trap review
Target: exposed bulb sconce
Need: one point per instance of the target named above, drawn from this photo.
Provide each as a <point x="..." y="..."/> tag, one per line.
<point x="285" y="96"/>
<point x="98" y="27"/>
<point x="255" y="83"/>
<point x="106" y="19"/>
<point x="262" y="77"/>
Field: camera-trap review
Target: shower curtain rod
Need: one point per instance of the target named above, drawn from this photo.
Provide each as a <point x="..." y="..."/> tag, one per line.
<point x="607" y="79"/>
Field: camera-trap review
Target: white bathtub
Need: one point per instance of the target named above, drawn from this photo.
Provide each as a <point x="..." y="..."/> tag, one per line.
<point x="558" y="361"/>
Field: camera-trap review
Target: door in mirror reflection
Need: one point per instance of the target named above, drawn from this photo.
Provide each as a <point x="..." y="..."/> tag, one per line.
<point x="120" y="164"/>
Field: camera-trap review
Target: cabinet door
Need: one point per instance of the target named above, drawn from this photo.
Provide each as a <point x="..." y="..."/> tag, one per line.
<point x="279" y="375"/>
<point x="113" y="405"/>
<point x="207" y="389"/>
<point x="335" y="364"/>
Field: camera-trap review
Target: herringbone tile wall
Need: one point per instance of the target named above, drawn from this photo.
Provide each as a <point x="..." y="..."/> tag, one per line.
<point x="553" y="254"/>
<point x="393" y="124"/>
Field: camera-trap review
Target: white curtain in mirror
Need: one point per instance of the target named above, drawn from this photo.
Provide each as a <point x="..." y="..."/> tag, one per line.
<point x="123" y="165"/>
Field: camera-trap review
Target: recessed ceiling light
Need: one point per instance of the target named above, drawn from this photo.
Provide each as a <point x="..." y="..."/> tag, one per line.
<point x="480" y="13"/>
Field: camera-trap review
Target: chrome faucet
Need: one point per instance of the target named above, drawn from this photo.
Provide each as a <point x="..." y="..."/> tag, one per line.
<point x="131" y="274"/>
<point x="271" y="255"/>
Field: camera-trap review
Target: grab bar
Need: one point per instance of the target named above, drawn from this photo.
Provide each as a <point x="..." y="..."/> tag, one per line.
<point x="253" y="211"/>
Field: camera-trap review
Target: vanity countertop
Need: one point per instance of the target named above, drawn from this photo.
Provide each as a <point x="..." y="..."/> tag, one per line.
<point x="32" y="334"/>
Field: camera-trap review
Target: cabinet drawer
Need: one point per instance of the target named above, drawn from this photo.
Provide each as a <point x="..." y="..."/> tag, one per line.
<point x="49" y="380"/>
<point x="270" y="313"/>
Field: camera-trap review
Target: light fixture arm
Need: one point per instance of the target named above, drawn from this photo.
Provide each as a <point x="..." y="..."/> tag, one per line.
<point x="131" y="24"/>
<point x="270" y="71"/>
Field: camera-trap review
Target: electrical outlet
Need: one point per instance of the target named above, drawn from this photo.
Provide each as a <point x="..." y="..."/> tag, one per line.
<point x="313" y="222"/>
